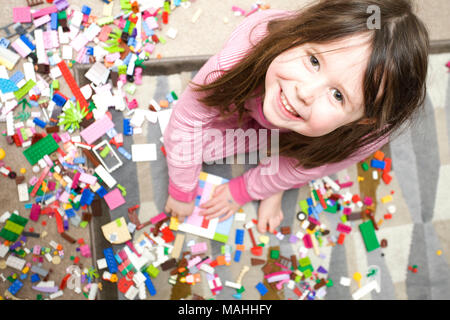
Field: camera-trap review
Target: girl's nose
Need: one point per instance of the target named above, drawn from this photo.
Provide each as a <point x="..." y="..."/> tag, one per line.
<point x="306" y="92"/>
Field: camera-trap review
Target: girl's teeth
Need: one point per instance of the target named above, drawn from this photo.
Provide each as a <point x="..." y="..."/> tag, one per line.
<point x="287" y="106"/>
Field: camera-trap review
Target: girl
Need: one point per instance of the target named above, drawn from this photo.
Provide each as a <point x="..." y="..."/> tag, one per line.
<point x="334" y="86"/>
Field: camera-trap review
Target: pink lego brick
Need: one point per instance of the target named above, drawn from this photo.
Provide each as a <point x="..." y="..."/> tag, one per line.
<point x="64" y="197"/>
<point x="88" y="178"/>
<point x="35" y="212"/>
<point x="343" y="228"/>
<point x="44" y="11"/>
<point x="104" y="33"/>
<point x="114" y="199"/>
<point x="158" y="218"/>
<point x="85" y="251"/>
<point x="194" y="261"/>
<point x="97" y="129"/>
<point x="307" y="241"/>
<point x="42" y="20"/>
<point x="22" y="14"/>
<point x="199" y="248"/>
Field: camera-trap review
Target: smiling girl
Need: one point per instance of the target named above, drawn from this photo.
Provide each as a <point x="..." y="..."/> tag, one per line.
<point x="335" y="89"/>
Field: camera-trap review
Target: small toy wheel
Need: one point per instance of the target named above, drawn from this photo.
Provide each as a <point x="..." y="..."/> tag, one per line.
<point x="301" y="216"/>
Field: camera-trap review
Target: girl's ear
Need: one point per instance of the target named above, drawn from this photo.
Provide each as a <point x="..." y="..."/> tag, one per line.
<point x="367" y="121"/>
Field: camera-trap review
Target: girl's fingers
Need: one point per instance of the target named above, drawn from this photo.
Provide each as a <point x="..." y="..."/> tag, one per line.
<point x="211" y="202"/>
<point x="262" y="225"/>
<point x="225" y="217"/>
<point x="218" y="213"/>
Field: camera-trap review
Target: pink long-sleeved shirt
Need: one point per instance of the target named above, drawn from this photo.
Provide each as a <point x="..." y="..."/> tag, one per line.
<point x="187" y="146"/>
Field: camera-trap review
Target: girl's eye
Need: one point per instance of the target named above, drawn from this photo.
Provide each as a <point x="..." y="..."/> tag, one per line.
<point x="314" y="62"/>
<point x="338" y="95"/>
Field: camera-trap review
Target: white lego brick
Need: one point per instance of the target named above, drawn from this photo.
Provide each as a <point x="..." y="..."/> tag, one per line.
<point x="8" y="58"/>
<point x="56" y="294"/>
<point x="344" y="281"/>
<point x="93" y="291"/>
<point x="131" y="293"/>
<point x="67" y="52"/>
<point x="172" y="33"/>
<point x="92" y="31"/>
<point x="77" y="18"/>
<point x="151" y="116"/>
<point x="143" y="152"/>
<point x="138" y="278"/>
<point x="22" y="190"/>
<point x="3" y="250"/>
<point x="15" y="263"/>
<point x="239" y="216"/>
<point x="3" y="72"/>
<point x="105" y="176"/>
<point x="28" y="70"/>
<point x="366" y="289"/>
<point x="55" y="73"/>
<point x="207" y="268"/>
<point x="233" y="285"/>
<point x="63" y="36"/>
<point x="142" y="292"/>
<point x="40" y="46"/>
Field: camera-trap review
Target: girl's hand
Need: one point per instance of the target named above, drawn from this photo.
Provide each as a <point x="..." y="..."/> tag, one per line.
<point x="270" y="213"/>
<point x="221" y="204"/>
<point x="179" y="209"/>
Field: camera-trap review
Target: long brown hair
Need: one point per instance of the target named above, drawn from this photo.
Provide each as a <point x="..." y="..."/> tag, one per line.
<point x="394" y="82"/>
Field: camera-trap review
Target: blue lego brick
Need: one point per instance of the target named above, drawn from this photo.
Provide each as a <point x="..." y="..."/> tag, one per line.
<point x="377" y="164"/>
<point x="39" y="122"/>
<point x="118" y="259"/>
<point x="125" y="153"/>
<point x="237" y="255"/>
<point x="27" y="42"/>
<point x="54" y="21"/>
<point x="169" y="98"/>
<point x="177" y="3"/>
<point x="101" y="192"/>
<point x="127" y="128"/>
<point x="149" y="284"/>
<point x="110" y="261"/>
<point x="309" y="201"/>
<point x="86" y="10"/>
<point x="239" y="239"/>
<point x="35" y="278"/>
<point x="4" y="42"/>
<point x="17" y="77"/>
<point x="79" y="160"/>
<point x="90" y="51"/>
<point x="87" y="197"/>
<point x="15" y="287"/>
<point x="58" y="99"/>
<point x="261" y="288"/>
<point x="70" y="213"/>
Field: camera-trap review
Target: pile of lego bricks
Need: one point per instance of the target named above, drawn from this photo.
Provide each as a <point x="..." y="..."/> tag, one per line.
<point x="59" y="130"/>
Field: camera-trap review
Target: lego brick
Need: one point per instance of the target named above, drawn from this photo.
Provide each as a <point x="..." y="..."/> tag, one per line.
<point x="37" y="151"/>
<point x="143" y="152"/>
<point x="114" y="199"/>
<point x="97" y="129"/>
<point x="70" y="80"/>
<point x="369" y="236"/>
<point x="8" y="58"/>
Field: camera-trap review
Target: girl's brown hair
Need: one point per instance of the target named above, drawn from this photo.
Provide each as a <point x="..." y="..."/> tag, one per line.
<point x="394" y="81"/>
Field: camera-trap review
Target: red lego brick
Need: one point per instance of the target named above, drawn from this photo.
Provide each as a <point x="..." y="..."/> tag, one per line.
<point x="70" y="80"/>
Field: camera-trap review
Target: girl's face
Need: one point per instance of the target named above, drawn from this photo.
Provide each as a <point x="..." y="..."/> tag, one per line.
<point x="314" y="89"/>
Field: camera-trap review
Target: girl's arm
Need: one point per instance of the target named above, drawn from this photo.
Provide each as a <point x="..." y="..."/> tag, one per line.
<point x="270" y="178"/>
<point x="181" y="137"/>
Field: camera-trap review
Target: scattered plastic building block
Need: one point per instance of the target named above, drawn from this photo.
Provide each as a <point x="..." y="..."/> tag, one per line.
<point x="19" y="94"/>
<point x="15" y="287"/>
<point x="97" y="129"/>
<point x="197" y="224"/>
<point x="37" y="151"/>
<point x="261" y="289"/>
<point x="368" y="233"/>
<point x="110" y="260"/>
<point x="114" y="199"/>
<point x="70" y="80"/>
<point x="13" y="227"/>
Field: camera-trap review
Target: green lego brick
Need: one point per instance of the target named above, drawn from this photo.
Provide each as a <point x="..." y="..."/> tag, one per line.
<point x="307" y="273"/>
<point x="303" y="206"/>
<point x="303" y="262"/>
<point x="152" y="271"/>
<point x="38" y="193"/>
<point x="8" y="235"/>
<point x="19" y="94"/>
<point x="331" y="209"/>
<point x="365" y="166"/>
<point x="13" y="227"/>
<point x="274" y="254"/>
<point x="240" y="290"/>
<point x="18" y="219"/>
<point x="368" y="233"/>
<point x="37" y="151"/>
<point x="220" y="237"/>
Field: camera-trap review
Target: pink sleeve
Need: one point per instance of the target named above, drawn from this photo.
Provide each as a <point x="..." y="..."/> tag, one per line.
<point x="269" y="178"/>
<point x="184" y="156"/>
